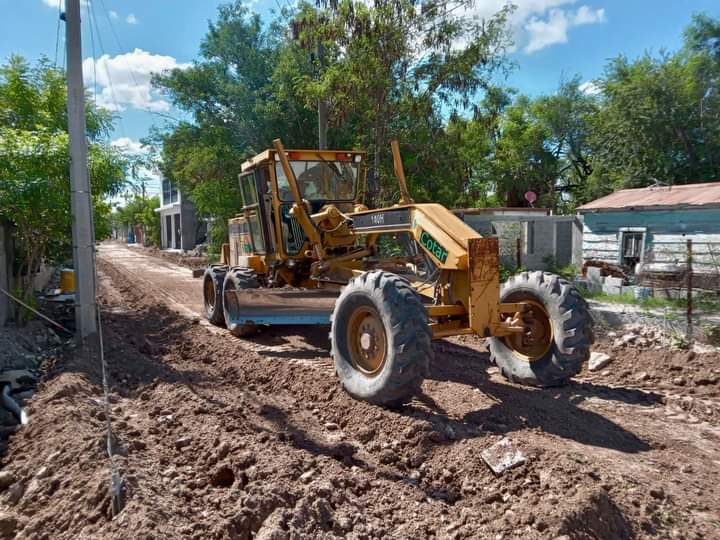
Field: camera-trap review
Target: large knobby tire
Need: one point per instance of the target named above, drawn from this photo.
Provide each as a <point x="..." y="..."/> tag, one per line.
<point x="213" y="281"/>
<point x="569" y="322"/>
<point x="238" y="279"/>
<point x="380" y="339"/>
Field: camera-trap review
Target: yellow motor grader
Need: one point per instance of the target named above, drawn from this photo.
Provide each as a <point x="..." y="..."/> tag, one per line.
<point x="304" y="250"/>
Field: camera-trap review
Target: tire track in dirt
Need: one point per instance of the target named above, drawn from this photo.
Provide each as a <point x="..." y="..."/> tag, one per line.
<point x="221" y="438"/>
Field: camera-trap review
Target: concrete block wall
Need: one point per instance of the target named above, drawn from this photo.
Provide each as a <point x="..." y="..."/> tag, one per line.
<point x="188" y="225"/>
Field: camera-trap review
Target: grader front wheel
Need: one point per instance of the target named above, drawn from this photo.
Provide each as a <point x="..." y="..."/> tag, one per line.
<point x="559" y="331"/>
<point x="380" y="339"/>
<point x="213" y="294"/>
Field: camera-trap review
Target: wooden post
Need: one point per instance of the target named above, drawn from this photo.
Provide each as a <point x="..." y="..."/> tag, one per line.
<point x="518" y="252"/>
<point x="689" y="285"/>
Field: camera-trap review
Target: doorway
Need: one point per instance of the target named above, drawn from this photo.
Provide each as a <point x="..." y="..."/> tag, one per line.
<point x="168" y="232"/>
<point x="176" y="218"/>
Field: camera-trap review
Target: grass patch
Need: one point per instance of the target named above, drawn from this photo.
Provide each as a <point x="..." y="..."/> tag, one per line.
<point x="629" y="298"/>
<point x="702" y="302"/>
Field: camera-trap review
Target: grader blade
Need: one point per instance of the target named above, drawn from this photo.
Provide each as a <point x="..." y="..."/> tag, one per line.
<point x="280" y="306"/>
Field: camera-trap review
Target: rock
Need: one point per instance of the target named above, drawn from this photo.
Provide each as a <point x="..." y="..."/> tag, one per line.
<point x="8" y="524"/>
<point x="182" y="442"/>
<point x="223" y="476"/>
<point x="628" y="338"/>
<point x="366" y="434"/>
<point x="598" y="361"/>
<point x="223" y="450"/>
<point x="6" y="480"/>
<point x="687" y="469"/>
<point x="679" y="381"/>
<point x="15" y="493"/>
<point x="307" y="476"/>
<point x="331" y="426"/>
<point x="502" y="456"/>
<point x="657" y="492"/>
<point x="137" y="444"/>
<point x="44" y="472"/>
<point x="388" y="456"/>
<point x="611" y="334"/>
<point x="642" y="376"/>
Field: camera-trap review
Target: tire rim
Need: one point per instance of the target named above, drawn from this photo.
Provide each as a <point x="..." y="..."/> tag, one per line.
<point x="535" y="344"/>
<point x="210" y="293"/>
<point x="368" y="342"/>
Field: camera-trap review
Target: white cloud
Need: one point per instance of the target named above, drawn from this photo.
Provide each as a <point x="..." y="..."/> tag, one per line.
<point x="54" y="3"/>
<point x="113" y="14"/>
<point x="554" y="28"/>
<point x="537" y="24"/>
<point x="124" y="80"/>
<point x="590" y="88"/>
<point x="131" y="19"/>
<point x="131" y="146"/>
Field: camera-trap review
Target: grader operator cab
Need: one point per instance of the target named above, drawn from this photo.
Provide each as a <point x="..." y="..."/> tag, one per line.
<point x="305" y="251"/>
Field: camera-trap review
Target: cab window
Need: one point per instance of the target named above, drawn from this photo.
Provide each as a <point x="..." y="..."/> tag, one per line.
<point x="251" y="210"/>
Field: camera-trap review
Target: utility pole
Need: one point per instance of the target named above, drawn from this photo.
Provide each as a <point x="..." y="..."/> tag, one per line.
<point x="83" y="234"/>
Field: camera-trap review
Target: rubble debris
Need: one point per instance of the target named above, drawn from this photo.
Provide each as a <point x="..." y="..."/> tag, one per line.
<point x="598" y="361"/>
<point x="503" y="455"/>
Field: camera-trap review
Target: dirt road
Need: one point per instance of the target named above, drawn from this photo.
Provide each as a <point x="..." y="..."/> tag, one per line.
<point x="226" y="438"/>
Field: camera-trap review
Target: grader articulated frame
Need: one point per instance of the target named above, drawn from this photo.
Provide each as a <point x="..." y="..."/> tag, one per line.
<point x="305" y="250"/>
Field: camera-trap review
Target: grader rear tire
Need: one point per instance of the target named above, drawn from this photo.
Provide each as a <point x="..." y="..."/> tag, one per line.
<point x="380" y="339"/>
<point x="238" y="279"/>
<point x="561" y="315"/>
<point x="213" y="281"/>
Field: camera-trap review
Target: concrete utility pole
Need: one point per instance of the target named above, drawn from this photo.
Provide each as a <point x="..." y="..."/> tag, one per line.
<point x="83" y="234"/>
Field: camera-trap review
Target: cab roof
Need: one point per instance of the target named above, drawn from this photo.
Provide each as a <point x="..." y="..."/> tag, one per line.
<point x="302" y="155"/>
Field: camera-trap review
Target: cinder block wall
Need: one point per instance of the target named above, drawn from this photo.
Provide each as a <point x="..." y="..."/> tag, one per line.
<point x="188" y="225"/>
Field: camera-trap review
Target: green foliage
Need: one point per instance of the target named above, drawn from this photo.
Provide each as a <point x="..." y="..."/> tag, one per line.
<point x="660" y="117"/>
<point x="569" y="271"/>
<point x="507" y="271"/>
<point x="255" y="82"/>
<point x="426" y="76"/>
<point x="141" y="211"/>
<point x="35" y="164"/>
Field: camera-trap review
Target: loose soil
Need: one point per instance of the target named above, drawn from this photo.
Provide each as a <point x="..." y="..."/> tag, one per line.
<point x="218" y="437"/>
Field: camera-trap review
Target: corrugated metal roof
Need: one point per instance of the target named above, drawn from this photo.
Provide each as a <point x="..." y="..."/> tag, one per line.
<point x="686" y="195"/>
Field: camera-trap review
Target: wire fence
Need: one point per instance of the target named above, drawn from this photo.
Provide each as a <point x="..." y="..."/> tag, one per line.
<point x="687" y="273"/>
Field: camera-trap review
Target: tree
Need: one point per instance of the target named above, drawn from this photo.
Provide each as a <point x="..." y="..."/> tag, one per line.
<point x="660" y="118"/>
<point x="141" y="211"/>
<point x="396" y="66"/>
<point x="35" y="164"/>
<point x="241" y="95"/>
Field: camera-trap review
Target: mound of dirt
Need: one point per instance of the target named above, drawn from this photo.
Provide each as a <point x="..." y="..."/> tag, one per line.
<point x="217" y="437"/>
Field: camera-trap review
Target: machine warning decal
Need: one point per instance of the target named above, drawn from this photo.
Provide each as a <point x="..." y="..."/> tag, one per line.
<point x="434" y="247"/>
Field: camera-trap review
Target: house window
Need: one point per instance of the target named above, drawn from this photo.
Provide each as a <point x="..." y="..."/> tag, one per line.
<point x="631" y="248"/>
<point x="170" y="192"/>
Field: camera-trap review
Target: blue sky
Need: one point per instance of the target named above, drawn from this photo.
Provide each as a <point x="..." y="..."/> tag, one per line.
<point x="555" y="39"/>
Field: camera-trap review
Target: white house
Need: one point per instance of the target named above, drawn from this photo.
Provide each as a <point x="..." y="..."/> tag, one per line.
<point x="179" y="225"/>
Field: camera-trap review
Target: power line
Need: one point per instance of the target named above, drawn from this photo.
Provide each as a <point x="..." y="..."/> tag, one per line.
<point x="57" y="33"/>
<point x="92" y="42"/>
<point x="107" y="70"/>
<point x="122" y="50"/>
